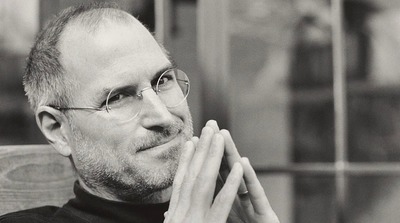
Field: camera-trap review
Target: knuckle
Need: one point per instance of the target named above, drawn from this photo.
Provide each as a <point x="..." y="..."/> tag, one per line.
<point x="216" y="147"/>
<point x="203" y="179"/>
<point x="191" y="177"/>
<point x="232" y="180"/>
<point x="221" y="198"/>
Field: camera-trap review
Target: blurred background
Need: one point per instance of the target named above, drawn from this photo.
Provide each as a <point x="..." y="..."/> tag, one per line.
<point x="266" y="70"/>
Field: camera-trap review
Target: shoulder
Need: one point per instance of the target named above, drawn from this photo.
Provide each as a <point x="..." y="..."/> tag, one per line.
<point x="35" y="215"/>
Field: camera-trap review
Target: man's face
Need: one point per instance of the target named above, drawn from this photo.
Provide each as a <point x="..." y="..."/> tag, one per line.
<point x="109" y="154"/>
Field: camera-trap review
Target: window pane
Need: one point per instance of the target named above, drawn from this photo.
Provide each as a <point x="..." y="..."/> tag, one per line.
<point x="310" y="81"/>
<point x="373" y="199"/>
<point x="280" y="92"/>
<point x="314" y="199"/>
<point x="280" y="85"/>
<point x="374" y="127"/>
<point x="279" y="190"/>
<point x="373" y="55"/>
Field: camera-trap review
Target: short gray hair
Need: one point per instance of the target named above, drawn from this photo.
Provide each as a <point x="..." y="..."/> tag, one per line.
<point x="44" y="81"/>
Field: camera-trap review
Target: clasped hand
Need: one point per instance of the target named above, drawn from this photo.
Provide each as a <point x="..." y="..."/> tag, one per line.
<point x="209" y="162"/>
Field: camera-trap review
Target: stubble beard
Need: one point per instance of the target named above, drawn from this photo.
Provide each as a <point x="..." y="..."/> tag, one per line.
<point x="131" y="182"/>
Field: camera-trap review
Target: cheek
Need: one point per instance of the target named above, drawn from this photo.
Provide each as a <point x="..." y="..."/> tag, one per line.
<point x="95" y="151"/>
<point x="92" y="137"/>
<point x="182" y="111"/>
<point x="187" y="117"/>
<point x="95" y="128"/>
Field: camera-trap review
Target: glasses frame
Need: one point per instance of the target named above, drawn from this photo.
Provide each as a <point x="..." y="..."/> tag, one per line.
<point x="139" y="95"/>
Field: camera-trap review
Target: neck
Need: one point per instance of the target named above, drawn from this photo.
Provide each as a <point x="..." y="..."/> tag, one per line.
<point x="154" y="198"/>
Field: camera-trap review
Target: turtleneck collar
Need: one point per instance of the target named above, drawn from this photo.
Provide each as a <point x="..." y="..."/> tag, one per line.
<point x="96" y="209"/>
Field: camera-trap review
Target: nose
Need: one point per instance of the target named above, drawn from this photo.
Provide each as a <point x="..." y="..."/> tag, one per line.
<point x="154" y="113"/>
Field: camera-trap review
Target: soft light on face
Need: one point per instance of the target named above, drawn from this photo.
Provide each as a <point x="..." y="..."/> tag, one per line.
<point x="126" y="175"/>
<point x="122" y="160"/>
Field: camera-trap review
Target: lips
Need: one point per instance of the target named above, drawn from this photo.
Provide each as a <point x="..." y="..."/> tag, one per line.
<point x="157" y="143"/>
<point x="152" y="146"/>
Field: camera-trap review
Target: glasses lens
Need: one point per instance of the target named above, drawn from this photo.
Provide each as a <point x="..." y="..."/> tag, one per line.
<point x="173" y="87"/>
<point x="123" y="105"/>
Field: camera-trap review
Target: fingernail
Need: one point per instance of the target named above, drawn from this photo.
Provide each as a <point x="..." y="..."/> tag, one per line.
<point x="225" y="132"/>
<point x="207" y="129"/>
<point x="210" y="122"/>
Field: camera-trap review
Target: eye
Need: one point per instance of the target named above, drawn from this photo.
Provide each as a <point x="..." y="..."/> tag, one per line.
<point x="163" y="80"/>
<point x="117" y="97"/>
<point x="166" y="80"/>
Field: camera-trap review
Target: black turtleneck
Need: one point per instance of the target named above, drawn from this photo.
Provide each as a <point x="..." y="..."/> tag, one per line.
<point x="86" y="208"/>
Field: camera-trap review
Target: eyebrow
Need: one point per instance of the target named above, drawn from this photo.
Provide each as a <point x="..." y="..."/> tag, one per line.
<point x="161" y="71"/>
<point x="106" y="90"/>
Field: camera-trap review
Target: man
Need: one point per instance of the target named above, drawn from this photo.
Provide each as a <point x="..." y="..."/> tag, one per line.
<point x="106" y="95"/>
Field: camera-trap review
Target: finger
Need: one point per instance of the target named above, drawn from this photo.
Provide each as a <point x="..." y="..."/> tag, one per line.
<point x="223" y="202"/>
<point x="224" y="169"/>
<point x="220" y="183"/>
<point x="256" y="191"/>
<point x="231" y="153"/>
<point x="231" y="156"/>
<point x="195" y="140"/>
<point x="207" y="178"/>
<point x="184" y="162"/>
<point x="213" y="124"/>
<point x="193" y="169"/>
<point x="202" y="147"/>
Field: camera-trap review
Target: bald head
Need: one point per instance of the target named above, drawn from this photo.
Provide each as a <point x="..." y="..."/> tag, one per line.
<point x="92" y="19"/>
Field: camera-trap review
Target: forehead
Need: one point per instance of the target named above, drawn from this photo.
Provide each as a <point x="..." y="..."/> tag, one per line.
<point x="114" y="53"/>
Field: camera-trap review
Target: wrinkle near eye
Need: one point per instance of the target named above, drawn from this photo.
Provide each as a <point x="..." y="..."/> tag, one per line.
<point x="157" y="75"/>
<point x="132" y="88"/>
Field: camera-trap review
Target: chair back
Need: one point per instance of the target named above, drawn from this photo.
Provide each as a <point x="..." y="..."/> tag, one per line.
<point x="33" y="176"/>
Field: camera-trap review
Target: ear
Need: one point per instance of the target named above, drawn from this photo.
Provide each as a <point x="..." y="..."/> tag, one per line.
<point x="54" y="126"/>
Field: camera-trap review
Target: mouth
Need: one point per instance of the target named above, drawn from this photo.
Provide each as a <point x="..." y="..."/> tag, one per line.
<point x="166" y="142"/>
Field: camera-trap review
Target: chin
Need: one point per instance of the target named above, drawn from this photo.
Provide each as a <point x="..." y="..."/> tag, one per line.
<point x="149" y="186"/>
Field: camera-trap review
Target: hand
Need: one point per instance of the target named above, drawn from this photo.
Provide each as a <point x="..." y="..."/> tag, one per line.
<point x="251" y="207"/>
<point x="195" y="181"/>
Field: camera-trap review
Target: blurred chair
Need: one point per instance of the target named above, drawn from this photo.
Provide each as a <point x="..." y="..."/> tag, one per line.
<point x="32" y="176"/>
